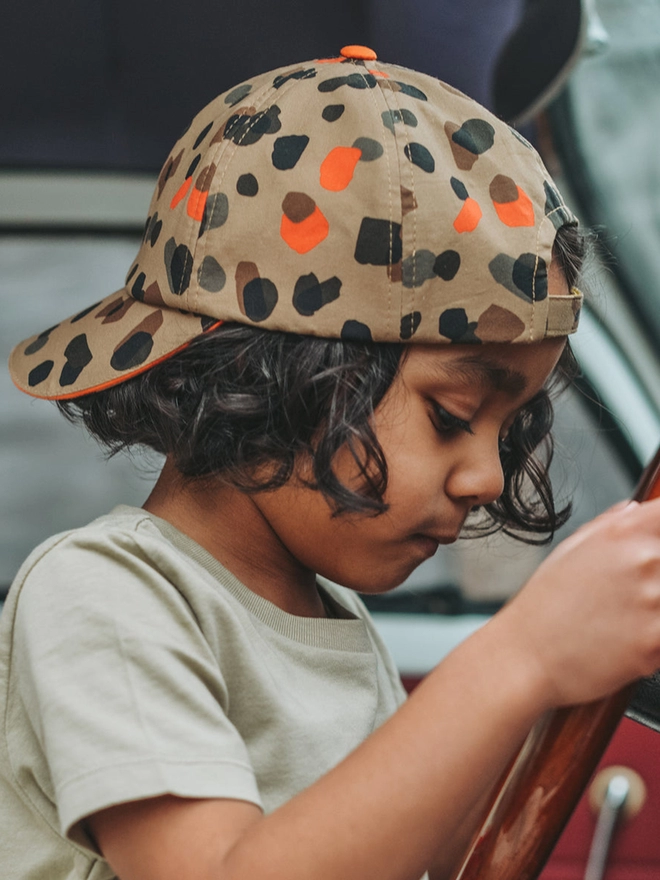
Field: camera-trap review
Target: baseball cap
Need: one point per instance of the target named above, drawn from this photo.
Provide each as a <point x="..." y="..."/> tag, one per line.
<point x="343" y="198"/>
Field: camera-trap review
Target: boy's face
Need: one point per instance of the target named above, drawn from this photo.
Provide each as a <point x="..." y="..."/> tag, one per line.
<point x="439" y="426"/>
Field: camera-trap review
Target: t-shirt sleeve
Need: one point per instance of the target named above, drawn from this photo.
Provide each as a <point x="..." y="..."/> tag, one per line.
<point x="120" y="688"/>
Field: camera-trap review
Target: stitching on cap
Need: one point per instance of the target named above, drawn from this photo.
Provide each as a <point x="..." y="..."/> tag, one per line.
<point x="413" y="212"/>
<point x="389" y="193"/>
<point x="231" y="147"/>
<point x="383" y="96"/>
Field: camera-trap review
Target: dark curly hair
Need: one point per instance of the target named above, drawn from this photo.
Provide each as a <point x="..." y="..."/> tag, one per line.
<point x="243" y="405"/>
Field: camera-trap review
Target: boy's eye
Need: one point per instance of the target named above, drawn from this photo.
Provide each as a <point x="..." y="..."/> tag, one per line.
<point x="445" y="422"/>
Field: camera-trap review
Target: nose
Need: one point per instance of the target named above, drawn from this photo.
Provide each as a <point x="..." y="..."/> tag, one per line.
<point x="477" y="477"/>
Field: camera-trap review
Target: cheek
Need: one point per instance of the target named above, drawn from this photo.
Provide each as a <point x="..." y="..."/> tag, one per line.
<point x="416" y="461"/>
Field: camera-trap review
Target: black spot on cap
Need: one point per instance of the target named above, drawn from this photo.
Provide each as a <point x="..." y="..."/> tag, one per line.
<point x="178" y="264"/>
<point x="208" y="322"/>
<point x="84" y="312"/>
<point x="420" y="156"/>
<point x="455" y="326"/>
<point x="210" y="275"/>
<point x="355" y="331"/>
<point x="475" y="135"/>
<point x="193" y="165"/>
<point x="236" y="95"/>
<point x="154" y="229"/>
<point x="309" y="295"/>
<point x="409" y="324"/>
<point x="411" y="91"/>
<point x="200" y="137"/>
<point x="216" y="211"/>
<point x="133" y="352"/>
<point x="247" y="185"/>
<point x="131" y="273"/>
<point x="77" y="356"/>
<point x="287" y="150"/>
<point x="378" y="242"/>
<point x="41" y="372"/>
<point x="279" y="81"/>
<point x="353" y="81"/>
<point x="39" y="342"/>
<point x="245" y="129"/>
<point x="137" y="290"/>
<point x="447" y="264"/>
<point x="554" y="206"/>
<point x="391" y="117"/>
<point x="259" y="298"/>
<point x="332" y="112"/>
<point x="529" y="276"/>
<point x="369" y="148"/>
<point x="459" y="188"/>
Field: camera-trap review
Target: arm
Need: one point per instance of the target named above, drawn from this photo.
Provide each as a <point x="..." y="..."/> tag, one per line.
<point x="382" y="813"/>
<point x="413" y="786"/>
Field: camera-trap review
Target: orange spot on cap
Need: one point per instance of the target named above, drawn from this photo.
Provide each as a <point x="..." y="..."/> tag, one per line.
<point x="362" y="53"/>
<point x="338" y="166"/>
<point x="182" y="192"/>
<point x="468" y="217"/>
<point x="378" y="73"/>
<point x="302" y="237"/>
<point x="329" y="60"/>
<point x="196" y="204"/>
<point x="518" y="213"/>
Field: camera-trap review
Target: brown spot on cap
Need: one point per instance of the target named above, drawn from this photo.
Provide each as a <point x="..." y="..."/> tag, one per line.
<point x="503" y="190"/>
<point x="169" y="168"/>
<point x="115" y="310"/>
<point x="408" y="201"/>
<point x="205" y="178"/>
<point x="298" y="206"/>
<point x="499" y="325"/>
<point x="153" y="296"/>
<point x="464" y="158"/>
<point x="150" y="325"/>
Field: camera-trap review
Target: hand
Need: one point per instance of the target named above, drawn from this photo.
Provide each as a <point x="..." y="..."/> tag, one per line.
<point x="589" y="618"/>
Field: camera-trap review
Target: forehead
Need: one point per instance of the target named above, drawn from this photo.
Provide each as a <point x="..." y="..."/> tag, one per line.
<point x="510" y="369"/>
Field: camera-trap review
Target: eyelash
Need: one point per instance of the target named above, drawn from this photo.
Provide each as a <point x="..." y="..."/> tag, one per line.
<point x="447" y="422"/>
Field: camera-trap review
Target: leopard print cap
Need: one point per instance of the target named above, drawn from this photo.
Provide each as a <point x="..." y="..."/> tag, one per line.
<point x="343" y="197"/>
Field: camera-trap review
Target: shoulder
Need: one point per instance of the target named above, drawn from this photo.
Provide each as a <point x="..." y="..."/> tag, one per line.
<point x="116" y="566"/>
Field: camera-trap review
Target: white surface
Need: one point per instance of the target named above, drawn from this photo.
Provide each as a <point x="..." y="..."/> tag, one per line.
<point x="419" y="642"/>
<point x="47" y="198"/>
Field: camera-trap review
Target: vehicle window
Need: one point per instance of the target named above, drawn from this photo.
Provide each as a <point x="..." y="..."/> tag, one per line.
<point x="605" y="127"/>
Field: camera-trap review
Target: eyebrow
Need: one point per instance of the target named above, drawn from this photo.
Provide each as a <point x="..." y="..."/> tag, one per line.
<point x="482" y="370"/>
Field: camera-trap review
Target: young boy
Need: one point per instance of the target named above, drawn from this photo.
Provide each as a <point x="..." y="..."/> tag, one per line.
<point x="353" y="287"/>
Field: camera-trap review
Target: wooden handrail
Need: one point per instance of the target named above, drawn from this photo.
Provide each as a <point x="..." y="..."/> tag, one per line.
<point x="538" y="792"/>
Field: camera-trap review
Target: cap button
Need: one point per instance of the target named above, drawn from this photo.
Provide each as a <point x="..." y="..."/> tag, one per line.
<point x="362" y="53"/>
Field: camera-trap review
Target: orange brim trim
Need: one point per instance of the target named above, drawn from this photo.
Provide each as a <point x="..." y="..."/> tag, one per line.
<point x="123" y="378"/>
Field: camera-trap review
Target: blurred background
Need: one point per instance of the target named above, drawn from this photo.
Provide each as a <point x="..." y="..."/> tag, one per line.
<point x="94" y="93"/>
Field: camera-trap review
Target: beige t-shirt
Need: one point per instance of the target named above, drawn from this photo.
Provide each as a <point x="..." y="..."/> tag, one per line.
<point x="132" y="664"/>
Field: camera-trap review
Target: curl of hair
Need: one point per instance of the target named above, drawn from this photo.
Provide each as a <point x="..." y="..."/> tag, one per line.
<point x="246" y="406"/>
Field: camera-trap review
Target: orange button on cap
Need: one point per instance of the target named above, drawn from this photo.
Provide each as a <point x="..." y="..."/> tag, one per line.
<point x="363" y="53"/>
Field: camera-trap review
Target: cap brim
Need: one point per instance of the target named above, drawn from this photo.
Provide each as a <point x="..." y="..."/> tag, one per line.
<point x="65" y="362"/>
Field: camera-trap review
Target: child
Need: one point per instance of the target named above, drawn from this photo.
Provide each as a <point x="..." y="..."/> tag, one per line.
<point x="353" y="288"/>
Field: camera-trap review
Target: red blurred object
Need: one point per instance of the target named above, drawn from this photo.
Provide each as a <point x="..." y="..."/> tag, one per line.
<point x="635" y="853"/>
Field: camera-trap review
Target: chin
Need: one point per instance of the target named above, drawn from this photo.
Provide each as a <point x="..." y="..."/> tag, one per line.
<point x="372" y="584"/>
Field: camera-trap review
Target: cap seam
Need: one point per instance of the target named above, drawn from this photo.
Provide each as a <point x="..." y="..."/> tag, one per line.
<point x="390" y="282"/>
<point x="413" y="212"/>
<point x="268" y="91"/>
